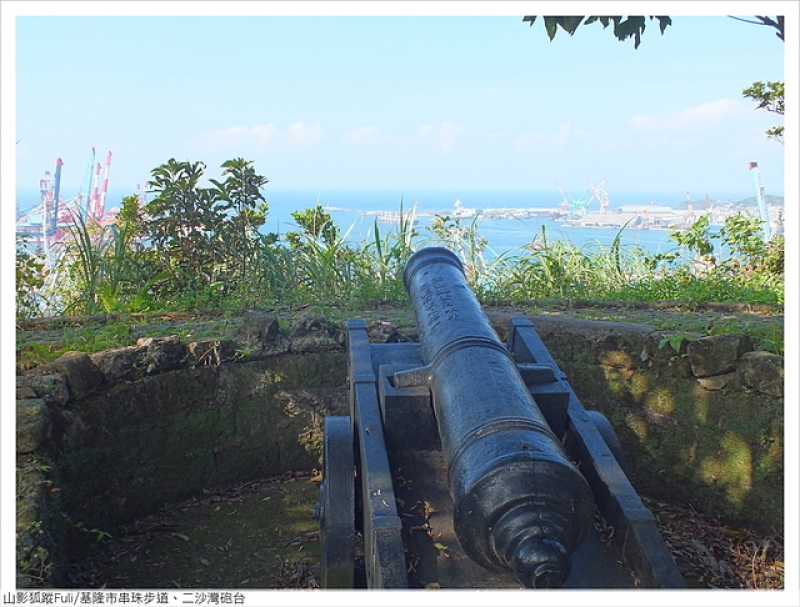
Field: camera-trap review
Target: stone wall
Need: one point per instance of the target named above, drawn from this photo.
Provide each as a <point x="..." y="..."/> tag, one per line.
<point x="102" y="439"/>
<point x="108" y="437"/>
<point x="700" y="419"/>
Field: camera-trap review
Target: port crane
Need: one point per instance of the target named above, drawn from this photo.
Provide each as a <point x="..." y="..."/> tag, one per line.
<point x="599" y="194"/>
<point x="47" y="224"/>
<point x="760" y="200"/>
<point x="688" y="217"/>
<point x="573" y="209"/>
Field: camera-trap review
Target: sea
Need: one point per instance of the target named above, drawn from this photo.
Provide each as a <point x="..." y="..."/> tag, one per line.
<point x="354" y="212"/>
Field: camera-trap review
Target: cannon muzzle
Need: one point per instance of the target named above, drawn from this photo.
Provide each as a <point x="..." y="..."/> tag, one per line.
<point x="519" y="503"/>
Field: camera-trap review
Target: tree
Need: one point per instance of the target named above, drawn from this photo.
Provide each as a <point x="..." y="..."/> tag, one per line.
<point x="245" y="209"/>
<point x="180" y="220"/>
<point x="131" y="269"/>
<point x="207" y="237"/>
<point x="627" y="27"/>
<point x="777" y="23"/>
<point x="31" y="272"/>
<point x="316" y="224"/>
<point x="769" y="96"/>
<point x="624" y="27"/>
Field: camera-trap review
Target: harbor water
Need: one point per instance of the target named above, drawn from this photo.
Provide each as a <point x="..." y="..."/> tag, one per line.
<point x="357" y="212"/>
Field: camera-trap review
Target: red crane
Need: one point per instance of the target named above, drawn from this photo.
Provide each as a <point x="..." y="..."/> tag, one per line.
<point x="55" y="214"/>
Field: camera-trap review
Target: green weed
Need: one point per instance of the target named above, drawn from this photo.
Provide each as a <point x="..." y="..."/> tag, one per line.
<point x="159" y="258"/>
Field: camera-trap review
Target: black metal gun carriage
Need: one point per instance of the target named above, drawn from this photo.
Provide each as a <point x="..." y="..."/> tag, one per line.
<point x="466" y="462"/>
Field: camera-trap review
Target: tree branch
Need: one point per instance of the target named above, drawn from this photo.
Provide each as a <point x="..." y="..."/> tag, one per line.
<point x="762" y="20"/>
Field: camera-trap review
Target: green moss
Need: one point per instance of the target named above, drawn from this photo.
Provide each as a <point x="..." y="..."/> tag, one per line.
<point x="40" y="534"/>
<point x="169" y="436"/>
<point x="719" y="449"/>
<point x="639" y="384"/>
<point x="616" y="358"/>
<point x="660" y="401"/>
<point x="732" y="468"/>
<point x="638" y="426"/>
<point x="616" y="381"/>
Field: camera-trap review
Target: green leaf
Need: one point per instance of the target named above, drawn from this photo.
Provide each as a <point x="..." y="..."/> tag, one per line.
<point x="570" y="24"/>
<point x="550" y="24"/>
<point x="624" y="29"/>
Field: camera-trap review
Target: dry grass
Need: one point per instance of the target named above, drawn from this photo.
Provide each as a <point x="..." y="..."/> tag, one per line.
<point x="716" y="556"/>
<point x="290" y="573"/>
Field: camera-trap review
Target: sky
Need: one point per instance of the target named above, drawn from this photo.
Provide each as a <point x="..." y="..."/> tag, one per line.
<point x="381" y="95"/>
<point x="480" y="101"/>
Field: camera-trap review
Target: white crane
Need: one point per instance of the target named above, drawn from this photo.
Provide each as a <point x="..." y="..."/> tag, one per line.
<point x="760" y="200"/>
<point x="599" y="194"/>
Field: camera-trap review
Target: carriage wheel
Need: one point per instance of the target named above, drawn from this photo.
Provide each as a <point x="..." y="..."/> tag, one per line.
<point x="606" y="430"/>
<point x="336" y="508"/>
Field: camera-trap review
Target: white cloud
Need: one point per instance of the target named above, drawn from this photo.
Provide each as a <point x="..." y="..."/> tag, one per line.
<point x="449" y="133"/>
<point x="528" y="140"/>
<point x="537" y="141"/>
<point x="260" y="135"/>
<point x="443" y="138"/>
<point x="259" y="138"/>
<point x="366" y="136"/>
<point x="303" y="136"/>
<point x="697" y="117"/>
<point x="563" y="136"/>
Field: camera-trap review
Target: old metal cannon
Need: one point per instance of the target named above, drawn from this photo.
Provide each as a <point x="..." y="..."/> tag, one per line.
<point x="469" y="463"/>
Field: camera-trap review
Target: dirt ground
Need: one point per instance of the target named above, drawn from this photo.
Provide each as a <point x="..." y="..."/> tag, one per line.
<point x="263" y="535"/>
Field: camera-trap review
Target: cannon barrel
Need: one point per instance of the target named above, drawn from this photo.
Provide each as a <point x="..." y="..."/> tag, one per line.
<point x="519" y="503"/>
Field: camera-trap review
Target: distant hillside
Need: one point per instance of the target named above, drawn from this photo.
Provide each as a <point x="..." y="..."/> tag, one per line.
<point x="747" y="202"/>
<point x="769" y="198"/>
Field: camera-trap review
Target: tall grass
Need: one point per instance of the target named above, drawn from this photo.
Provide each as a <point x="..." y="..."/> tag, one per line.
<point x="559" y="269"/>
<point x="464" y="240"/>
<point x="107" y="269"/>
<point x="101" y="269"/>
<point x="86" y="257"/>
<point x="386" y="256"/>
